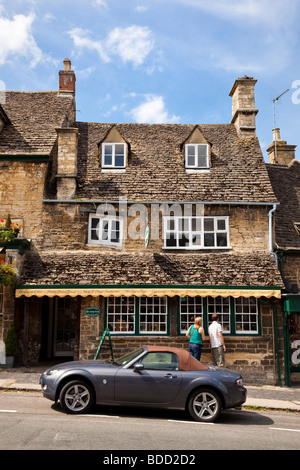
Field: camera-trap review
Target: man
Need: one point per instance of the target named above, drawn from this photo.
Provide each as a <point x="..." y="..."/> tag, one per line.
<point x="217" y="341"/>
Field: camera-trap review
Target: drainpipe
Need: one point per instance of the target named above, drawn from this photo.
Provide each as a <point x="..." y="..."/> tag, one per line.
<point x="271" y="232"/>
<point x="276" y="337"/>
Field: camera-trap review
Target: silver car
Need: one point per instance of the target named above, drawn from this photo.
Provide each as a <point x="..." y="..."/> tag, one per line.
<point x="152" y="376"/>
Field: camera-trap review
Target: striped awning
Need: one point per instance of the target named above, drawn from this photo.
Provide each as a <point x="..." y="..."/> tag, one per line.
<point x="148" y="291"/>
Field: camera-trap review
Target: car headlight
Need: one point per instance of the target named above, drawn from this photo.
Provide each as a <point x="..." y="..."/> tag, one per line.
<point x="52" y="372"/>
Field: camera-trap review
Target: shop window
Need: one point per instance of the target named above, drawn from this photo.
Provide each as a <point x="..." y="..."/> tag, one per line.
<point x="133" y="315"/>
<point x="153" y="315"/>
<point x="121" y="314"/>
<point x="236" y="316"/>
<point x="190" y="308"/>
<point x="246" y="315"/>
<point x="221" y="306"/>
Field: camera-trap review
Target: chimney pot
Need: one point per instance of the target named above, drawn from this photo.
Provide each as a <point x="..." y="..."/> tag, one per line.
<point x="279" y="152"/>
<point x="67" y="79"/>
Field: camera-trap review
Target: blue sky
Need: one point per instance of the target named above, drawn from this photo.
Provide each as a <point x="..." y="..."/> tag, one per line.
<point x="170" y="61"/>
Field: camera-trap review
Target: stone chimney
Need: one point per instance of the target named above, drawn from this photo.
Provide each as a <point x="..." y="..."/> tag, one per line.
<point x="67" y="162"/>
<point x="67" y="79"/>
<point x="279" y="152"/>
<point x="243" y="106"/>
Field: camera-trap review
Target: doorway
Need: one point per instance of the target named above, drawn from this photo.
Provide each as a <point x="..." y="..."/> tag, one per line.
<point x="60" y="328"/>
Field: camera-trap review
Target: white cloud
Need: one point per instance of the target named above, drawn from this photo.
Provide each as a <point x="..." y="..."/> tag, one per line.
<point x="81" y="41"/>
<point x="16" y="39"/>
<point x="131" y="44"/>
<point x="153" y="111"/>
<point x="273" y="12"/>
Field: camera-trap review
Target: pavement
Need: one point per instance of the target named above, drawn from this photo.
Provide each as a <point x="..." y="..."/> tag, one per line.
<point x="258" y="396"/>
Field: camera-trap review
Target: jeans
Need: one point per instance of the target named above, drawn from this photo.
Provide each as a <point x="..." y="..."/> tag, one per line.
<point x="195" y="350"/>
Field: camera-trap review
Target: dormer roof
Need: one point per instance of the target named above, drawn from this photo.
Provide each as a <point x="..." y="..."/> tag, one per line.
<point x="156" y="168"/>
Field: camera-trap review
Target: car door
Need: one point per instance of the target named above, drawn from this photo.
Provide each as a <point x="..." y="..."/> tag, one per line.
<point x="157" y="383"/>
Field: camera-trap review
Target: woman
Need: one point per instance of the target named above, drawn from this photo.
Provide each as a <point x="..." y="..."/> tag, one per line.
<point x="196" y="336"/>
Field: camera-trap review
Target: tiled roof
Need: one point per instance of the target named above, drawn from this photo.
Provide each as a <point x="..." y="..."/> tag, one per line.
<point x="286" y="185"/>
<point x="34" y="117"/>
<point x="156" y="172"/>
<point x="98" y="268"/>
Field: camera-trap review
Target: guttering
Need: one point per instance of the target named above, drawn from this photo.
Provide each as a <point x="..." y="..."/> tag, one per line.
<point x="139" y="201"/>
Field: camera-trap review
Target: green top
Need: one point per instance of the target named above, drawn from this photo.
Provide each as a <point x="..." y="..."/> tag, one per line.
<point x="195" y="336"/>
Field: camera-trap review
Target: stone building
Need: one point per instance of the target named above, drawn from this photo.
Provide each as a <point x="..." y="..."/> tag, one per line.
<point x="138" y="228"/>
<point x="284" y="173"/>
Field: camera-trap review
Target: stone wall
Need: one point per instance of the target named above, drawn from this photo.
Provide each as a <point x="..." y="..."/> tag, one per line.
<point x="65" y="226"/>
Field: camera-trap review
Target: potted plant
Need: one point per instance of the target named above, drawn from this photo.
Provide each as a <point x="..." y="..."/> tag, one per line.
<point x="8" y="230"/>
<point x="10" y="345"/>
<point x="8" y="274"/>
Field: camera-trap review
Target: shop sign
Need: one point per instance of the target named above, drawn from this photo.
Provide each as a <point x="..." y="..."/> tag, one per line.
<point x="92" y="311"/>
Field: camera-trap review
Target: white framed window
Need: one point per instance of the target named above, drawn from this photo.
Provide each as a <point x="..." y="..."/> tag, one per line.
<point x="190" y="308"/>
<point x="113" y="155"/>
<point x="121" y="314"/>
<point x="221" y="306"/>
<point x="246" y="315"/>
<point x="105" y="230"/>
<point x="196" y="232"/>
<point x="153" y="314"/>
<point x="196" y="156"/>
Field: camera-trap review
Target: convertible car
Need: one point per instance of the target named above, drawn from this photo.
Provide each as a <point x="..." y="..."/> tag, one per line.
<point x="151" y="376"/>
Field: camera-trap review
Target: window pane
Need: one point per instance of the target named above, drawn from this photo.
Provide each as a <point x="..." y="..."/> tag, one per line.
<point x="121" y="314"/>
<point x="190" y="308"/>
<point x="154" y="318"/>
<point x="119" y="160"/>
<point x="209" y="239"/>
<point x="221" y="306"/>
<point x="208" y="225"/>
<point x="221" y="224"/>
<point x="108" y="160"/>
<point x="202" y="155"/>
<point x="246" y="315"/>
<point x="221" y="239"/>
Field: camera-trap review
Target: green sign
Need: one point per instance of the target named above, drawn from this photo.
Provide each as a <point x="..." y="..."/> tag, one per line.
<point x="92" y="311"/>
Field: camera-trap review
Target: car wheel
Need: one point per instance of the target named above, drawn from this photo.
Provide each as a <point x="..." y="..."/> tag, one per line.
<point x="76" y="397"/>
<point x="205" y="405"/>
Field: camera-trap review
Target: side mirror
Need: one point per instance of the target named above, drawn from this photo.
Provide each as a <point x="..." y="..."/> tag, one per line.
<point x="138" y="367"/>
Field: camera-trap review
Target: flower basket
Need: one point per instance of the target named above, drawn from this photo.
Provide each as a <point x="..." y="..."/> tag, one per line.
<point x="8" y="274"/>
<point x="8" y="230"/>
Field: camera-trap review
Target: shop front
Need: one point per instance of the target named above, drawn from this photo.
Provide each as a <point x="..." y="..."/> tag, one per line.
<point x="291" y="303"/>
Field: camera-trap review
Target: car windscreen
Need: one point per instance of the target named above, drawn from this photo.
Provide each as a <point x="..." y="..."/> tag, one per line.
<point x="123" y="360"/>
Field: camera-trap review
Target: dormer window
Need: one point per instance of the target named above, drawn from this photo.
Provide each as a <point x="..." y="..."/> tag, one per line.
<point x="113" y="155"/>
<point x="196" y="156"/>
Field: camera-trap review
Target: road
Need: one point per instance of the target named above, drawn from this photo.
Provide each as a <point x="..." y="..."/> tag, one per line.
<point x="30" y="422"/>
